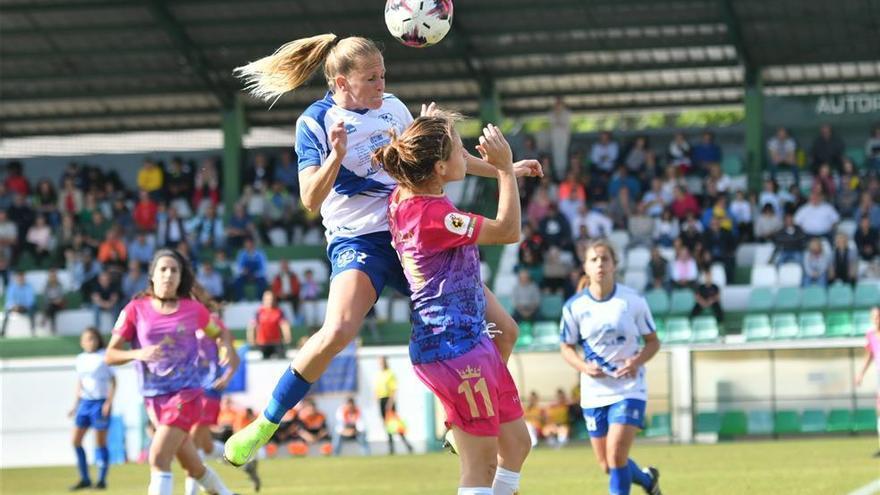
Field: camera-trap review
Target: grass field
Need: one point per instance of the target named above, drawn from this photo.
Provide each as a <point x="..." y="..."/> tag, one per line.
<point x="819" y="466"/>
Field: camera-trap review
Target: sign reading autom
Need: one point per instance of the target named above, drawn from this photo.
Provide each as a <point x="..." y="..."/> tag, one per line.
<point x="862" y="103"/>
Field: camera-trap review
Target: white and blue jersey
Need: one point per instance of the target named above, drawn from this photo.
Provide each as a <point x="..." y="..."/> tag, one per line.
<point x="609" y="332"/>
<point x="358" y="202"/>
<point x="94" y="377"/>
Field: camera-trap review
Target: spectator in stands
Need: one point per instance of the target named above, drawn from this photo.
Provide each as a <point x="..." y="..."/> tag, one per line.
<point x="560" y="135"/>
<point x="622" y="180"/>
<point x="95" y="230"/>
<point x="23" y="215"/>
<point x="597" y="188"/>
<point x="16" y="182"/>
<point x="5" y="197"/>
<point x="708" y="296"/>
<point x="350" y="426"/>
<point x="105" y="298"/>
<point x="9" y="244"/>
<point x="251" y="266"/>
<point x="39" y="240"/>
<point x="70" y="199"/>
<point x="684" y="272"/>
<point x="172" y="230"/>
<point x="770" y="195"/>
<point x="872" y="152"/>
<point x="255" y="205"/>
<point x="269" y="331"/>
<point x="526" y="298"/>
<point x="721" y="245"/>
<point x="150" y="179"/>
<point x="741" y="211"/>
<point x="134" y="281"/>
<point x="790" y="242"/>
<point x="534" y="416"/>
<point x="207" y="186"/>
<point x="691" y="233"/>
<point x="844" y="261"/>
<point x="207" y="229"/>
<point x="112" y="249"/>
<point x="145" y="213"/>
<point x="781" y="152"/>
<point x="816" y="264"/>
<point x="825" y="181"/>
<point x="309" y="428"/>
<point x="706" y="153"/>
<point x="867" y="208"/>
<point x="72" y="172"/>
<point x="604" y="154"/>
<point x="287" y="173"/>
<point x="658" y="268"/>
<point x="571" y="195"/>
<point x="53" y="300"/>
<point x="678" y="154"/>
<point x="179" y="183"/>
<point x="239" y="228"/>
<point x="684" y="203"/>
<point x="286" y="286"/>
<point x="4" y="270"/>
<point x="716" y="179"/>
<point x="281" y="209"/>
<point x="867" y="239"/>
<point x="309" y="292"/>
<point x="182" y="247"/>
<point x="20" y="298"/>
<point x="767" y="224"/>
<point x="556" y="420"/>
<point x="141" y="250"/>
<point x="211" y="281"/>
<point x="827" y="148"/>
<point x="655" y="200"/>
<point x="847" y="197"/>
<point x="640" y="227"/>
<point x="666" y="229"/>
<point x="556" y="270"/>
<point x="85" y="270"/>
<point x="554" y="228"/>
<point x="539" y="206"/>
<point x="45" y="202"/>
<point x="122" y="218"/>
<point x="817" y="218"/>
<point x="639" y="159"/>
<point x="622" y="207"/>
<point x="259" y="174"/>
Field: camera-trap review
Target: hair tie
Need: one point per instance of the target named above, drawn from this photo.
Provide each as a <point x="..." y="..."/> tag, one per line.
<point x="335" y="42"/>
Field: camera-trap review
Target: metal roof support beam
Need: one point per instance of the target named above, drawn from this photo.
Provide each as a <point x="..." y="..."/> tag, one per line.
<point x="193" y="55"/>
<point x="233" y="134"/>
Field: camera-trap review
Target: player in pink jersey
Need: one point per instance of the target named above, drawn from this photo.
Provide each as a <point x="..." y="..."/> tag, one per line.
<point x="450" y="348"/>
<point x="872" y="346"/>
<point x="161" y="324"/>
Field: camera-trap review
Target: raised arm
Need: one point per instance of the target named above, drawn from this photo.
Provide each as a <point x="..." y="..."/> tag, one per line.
<point x="316" y="182"/>
<point x="505" y="227"/>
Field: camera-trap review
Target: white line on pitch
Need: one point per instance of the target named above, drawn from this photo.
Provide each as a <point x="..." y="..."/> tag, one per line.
<point x="869" y="489"/>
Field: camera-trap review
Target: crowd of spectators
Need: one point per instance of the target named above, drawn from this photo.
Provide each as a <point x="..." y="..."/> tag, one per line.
<point x="678" y="202"/>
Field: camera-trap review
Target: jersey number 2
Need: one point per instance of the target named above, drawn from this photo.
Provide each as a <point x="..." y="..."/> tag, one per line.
<point x="482" y="389"/>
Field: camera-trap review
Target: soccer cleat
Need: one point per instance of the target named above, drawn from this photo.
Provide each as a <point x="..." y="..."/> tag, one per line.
<point x="654" y="473"/>
<point x="82" y="485"/>
<point x="449" y="442"/>
<point x="100" y="485"/>
<point x="244" y="445"/>
<point x="251" y="470"/>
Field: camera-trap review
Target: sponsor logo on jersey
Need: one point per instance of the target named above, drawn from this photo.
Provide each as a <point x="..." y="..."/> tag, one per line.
<point x="350" y="129"/>
<point x="456" y="223"/>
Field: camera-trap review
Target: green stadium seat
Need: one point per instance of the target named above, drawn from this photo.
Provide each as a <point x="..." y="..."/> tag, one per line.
<point x="866" y="296"/>
<point x="546" y="334"/>
<point x="760" y="422"/>
<point x="73" y="300"/>
<point x="760" y="300"/>
<point x="551" y="307"/>
<point x="732" y="165"/>
<point x="861" y="322"/>
<point x="708" y="422"/>
<point x="785" y="326"/>
<point x="682" y="302"/>
<point x="661" y="327"/>
<point x="786" y="422"/>
<point x="814" y="421"/>
<point x="840" y="296"/>
<point x="525" y="335"/>
<point x="705" y="329"/>
<point x="857" y="155"/>
<point x="658" y="301"/>
<point x="839" y="420"/>
<point x="733" y="424"/>
<point x="811" y="324"/>
<point x="660" y="426"/>
<point x="838" y="324"/>
<point x="814" y="298"/>
<point x="787" y="299"/>
<point x="678" y="329"/>
<point x="757" y="327"/>
<point x="865" y="420"/>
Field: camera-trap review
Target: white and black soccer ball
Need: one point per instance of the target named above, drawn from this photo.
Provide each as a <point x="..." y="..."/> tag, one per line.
<point x="418" y="23"/>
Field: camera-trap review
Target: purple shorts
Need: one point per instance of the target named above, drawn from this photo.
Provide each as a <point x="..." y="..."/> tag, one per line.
<point x="476" y="390"/>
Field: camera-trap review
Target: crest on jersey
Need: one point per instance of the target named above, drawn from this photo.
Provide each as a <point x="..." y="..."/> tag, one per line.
<point x="456" y="223"/>
<point x="388" y="117"/>
<point x="349" y="129"/>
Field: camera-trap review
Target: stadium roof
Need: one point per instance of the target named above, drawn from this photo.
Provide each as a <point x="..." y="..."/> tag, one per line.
<point x="78" y="66"/>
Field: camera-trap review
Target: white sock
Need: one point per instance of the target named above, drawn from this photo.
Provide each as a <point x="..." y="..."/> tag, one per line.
<point x="212" y="483"/>
<point x="475" y="490"/>
<point x="190" y="486"/>
<point x="217" y="452"/>
<point x="506" y="482"/>
<point x="161" y="483"/>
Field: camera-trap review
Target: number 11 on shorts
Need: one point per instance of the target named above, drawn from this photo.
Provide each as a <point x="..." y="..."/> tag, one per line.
<point x="482" y="389"/>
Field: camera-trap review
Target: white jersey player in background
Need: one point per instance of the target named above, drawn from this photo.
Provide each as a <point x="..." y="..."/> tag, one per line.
<point x="608" y="320"/>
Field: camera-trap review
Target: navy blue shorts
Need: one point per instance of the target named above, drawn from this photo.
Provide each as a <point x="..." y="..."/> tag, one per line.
<point x="625" y="412"/>
<point x="371" y="254"/>
<point x="88" y="415"/>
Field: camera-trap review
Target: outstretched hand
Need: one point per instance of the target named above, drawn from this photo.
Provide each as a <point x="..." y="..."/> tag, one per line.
<point x="494" y="149"/>
<point x="428" y="110"/>
<point x="528" y="168"/>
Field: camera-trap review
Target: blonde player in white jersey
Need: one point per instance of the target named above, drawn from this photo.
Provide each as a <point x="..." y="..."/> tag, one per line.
<point x="335" y="138"/>
<point x="608" y="321"/>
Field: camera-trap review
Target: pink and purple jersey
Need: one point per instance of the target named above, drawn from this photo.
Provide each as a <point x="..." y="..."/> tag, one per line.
<point x="209" y="355"/>
<point x="436" y="244"/>
<point x="178" y="367"/>
<point x="872" y="345"/>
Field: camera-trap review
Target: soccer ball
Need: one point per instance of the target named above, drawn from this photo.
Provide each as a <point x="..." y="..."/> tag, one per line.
<point x="418" y="23"/>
